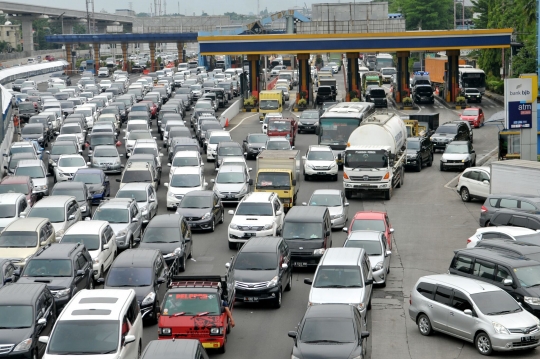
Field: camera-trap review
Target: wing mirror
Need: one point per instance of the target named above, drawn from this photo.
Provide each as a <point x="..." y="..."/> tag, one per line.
<point x="467" y="312"/>
<point x="391" y="230"/>
<point x="507" y="281"/>
<point x="308" y="281"/>
<point x="231" y="212"/>
<point x="227" y="265"/>
<point x="42" y="321"/>
<point x="129" y="339"/>
<point x="388" y="253"/>
<point x="80" y="273"/>
<point x="284" y="266"/>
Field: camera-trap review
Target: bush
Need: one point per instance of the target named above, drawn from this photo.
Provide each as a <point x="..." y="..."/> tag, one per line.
<point x="302" y="103"/>
<point x="249" y="101"/>
<point x="356" y="99"/>
<point x="460" y="100"/>
<point x="407" y="101"/>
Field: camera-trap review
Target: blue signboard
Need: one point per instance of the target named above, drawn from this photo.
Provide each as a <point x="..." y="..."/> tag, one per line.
<point x="519" y="115"/>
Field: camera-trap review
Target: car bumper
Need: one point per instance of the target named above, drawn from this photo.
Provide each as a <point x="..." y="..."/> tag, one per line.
<point x="413" y="162"/>
<point x="201" y="225"/>
<point x="512" y="342"/>
<point x="20" y="355"/>
<point x="172" y="203"/>
<point x="442" y="145"/>
<point x="97" y="198"/>
<point x="250" y="296"/>
<point x="338" y="222"/>
<point x="459" y="165"/>
<point x="315" y="172"/>
<point x="231" y="199"/>
<point x="237" y="236"/>
<point x="122" y="242"/>
<point x="44" y="192"/>
<point x="109" y="169"/>
<point x="253" y="151"/>
<point x="307" y="127"/>
<point x="210" y="155"/>
<point x="368" y="186"/>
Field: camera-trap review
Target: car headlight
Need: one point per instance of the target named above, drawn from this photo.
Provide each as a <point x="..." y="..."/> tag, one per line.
<point x="319" y="252"/>
<point x="360" y="306"/>
<point x="335" y="216"/>
<point x="268" y="226"/>
<point x="121" y="233"/>
<point x="443" y="159"/>
<point x="244" y="189"/>
<point x="42" y="187"/>
<point x="171" y="195"/>
<point x="333" y="164"/>
<point x="83" y="208"/>
<point x="273" y="282"/>
<point x="178" y="251"/>
<point x="500" y="329"/>
<point x="300" y="123"/>
<point x="96" y="260"/>
<point x="207" y="215"/>
<point x="309" y="165"/>
<point x="62" y="293"/>
<point x="216" y="331"/>
<point x="465" y="159"/>
<point x="532" y="300"/>
<point x="95" y="163"/>
<point x="169" y="255"/>
<point x="165" y="331"/>
<point x="149" y="299"/>
<point x="233" y="226"/>
<point x="60" y="233"/>
<point x="378" y="266"/>
<point x="23" y="346"/>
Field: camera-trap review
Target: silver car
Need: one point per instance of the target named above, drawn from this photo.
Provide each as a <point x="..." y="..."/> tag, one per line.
<point x="145" y="195"/>
<point x="231" y="184"/>
<point x="37" y="171"/>
<point x="334" y="200"/>
<point x="375" y="244"/>
<point x="107" y="158"/>
<point x="474" y="311"/>
<point x="458" y="154"/>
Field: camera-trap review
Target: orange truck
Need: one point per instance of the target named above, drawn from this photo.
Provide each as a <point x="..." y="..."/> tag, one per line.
<point x="436" y="67"/>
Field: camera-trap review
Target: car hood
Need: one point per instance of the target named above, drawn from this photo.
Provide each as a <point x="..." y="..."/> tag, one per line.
<point x="254" y="276"/>
<point x="58" y="226"/>
<point x="323" y="351"/>
<point x="193" y="212"/>
<point x="335" y="210"/>
<point x="39" y="181"/>
<point x="165" y="248"/>
<point x="455" y="156"/>
<point x="117" y="227"/>
<point x="94" y="187"/>
<point x="253" y="221"/>
<point x="15" y="336"/>
<point x="320" y="163"/>
<point x="522" y="319"/>
<point x="228" y="187"/>
<point x="16" y="253"/>
<point x="336" y="295"/>
<point x="54" y="283"/>
<point x="374" y="259"/>
<point x="33" y="136"/>
<point x="256" y="144"/>
<point x="443" y="135"/>
<point x="5" y="221"/>
<point x="308" y="120"/>
<point x="69" y="169"/>
<point x="140" y="292"/>
<point x="183" y="190"/>
<point x="306" y="244"/>
<point x="411" y="152"/>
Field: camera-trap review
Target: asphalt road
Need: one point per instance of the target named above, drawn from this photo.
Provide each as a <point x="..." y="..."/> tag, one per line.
<point x="430" y="221"/>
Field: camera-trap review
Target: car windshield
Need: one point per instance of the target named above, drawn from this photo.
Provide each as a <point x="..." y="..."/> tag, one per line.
<point x="456" y="149"/>
<point x="279" y="125"/>
<point x="496" y="303"/>
<point x="85" y="112"/>
<point x="136" y="126"/>
<point x="105" y="152"/>
<point x="185" y="162"/>
<point x="326" y="200"/>
<point x="388" y="71"/>
<point x="162" y="235"/>
<point x="470" y="112"/>
<point x="309" y="115"/>
<point x="32" y="130"/>
<point x="84" y="337"/>
<point x="143" y="135"/>
<point x="88" y="178"/>
<point x="18" y="239"/>
<point x="137" y="195"/>
<point x="230" y="177"/>
<point x="275" y="180"/>
<point x="14" y="188"/>
<point x="320" y="156"/>
<point x="90" y="241"/>
<point x="528" y="276"/>
<point x="366" y="159"/>
<point x="372" y="248"/>
<point x="21" y="149"/>
<point x="302" y="230"/>
<point x="16" y="316"/>
<point x="413" y="145"/>
<point x="7" y="210"/>
<point x="71" y="162"/>
<point x="230" y="151"/>
<point x="54" y="214"/>
<point x="186" y="180"/>
<point x="48" y="268"/>
<point x="191" y="304"/>
<point x="113" y="215"/>
<point x="256" y="261"/>
<point x="217" y="139"/>
<point x="328" y="330"/>
<point x="30" y="171"/>
<point x="137" y="176"/>
<point x="63" y="150"/>
<point x="203" y="105"/>
<point x="26" y="106"/>
<point x="96" y="140"/>
<point x="145" y="150"/>
<point x="254" y="209"/>
<point x="338" y="277"/>
<point x="368" y="225"/>
<point x="446" y="129"/>
<point x="257" y="138"/>
<point x="278" y="145"/>
<point x="129" y="277"/>
<point x="78" y="193"/>
<point x="196" y="202"/>
<point x="473" y="91"/>
<point x="269" y="104"/>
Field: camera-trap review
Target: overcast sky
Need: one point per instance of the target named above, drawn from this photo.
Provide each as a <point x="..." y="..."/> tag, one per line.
<point x="212" y="7"/>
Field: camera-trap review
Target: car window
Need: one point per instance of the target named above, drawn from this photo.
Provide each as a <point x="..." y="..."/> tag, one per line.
<point x="43" y="234"/>
<point x="462" y="264"/>
<point x="483" y="176"/>
<point x="527" y="206"/>
<point x="442" y="295"/>
<point x="485" y="270"/>
<point x="502" y="274"/>
<point x="501" y="219"/>
<point x="22" y="205"/>
<point x="81" y="262"/>
<point x="133" y="311"/>
<point x="508" y="203"/>
<point x="460" y="301"/>
<point x="533" y="224"/>
<point x="276" y="205"/>
<point x="474" y="175"/>
<point x="104" y="238"/>
<point x="519" y="221"/>
<point x="495" y="235"/>
<point x="493" y="202"/>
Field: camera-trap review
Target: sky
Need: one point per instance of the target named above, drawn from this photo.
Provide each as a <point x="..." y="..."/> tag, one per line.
<point x="212" y="7"/>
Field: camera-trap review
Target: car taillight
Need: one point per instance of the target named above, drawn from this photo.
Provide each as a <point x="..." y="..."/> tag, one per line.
<point x="468" y="240"/>
<point x="483" y="209"/>
<point x="410" y="299"/>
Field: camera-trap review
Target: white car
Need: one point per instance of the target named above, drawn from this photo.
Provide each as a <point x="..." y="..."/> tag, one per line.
<point x="319" y="161"/>
<point x="147" y="147"/>
<point x="89" y="114"/>
<point x="136" y="125"/>
<point x="264" y="122"/>
<point x="73" y="129"/>
<point x="215" y="138"/>
<point x="105" y="84"/>
<point x="183" y="159"/>
<point x="67" y="166"/>
<point x="259" y="214"/>
<point x="474" y="183"/>
<point x="98" y="237"/>
<point x="500" y="232"/>
<point x="184" y="180"/>
<point x="135" y="135"/>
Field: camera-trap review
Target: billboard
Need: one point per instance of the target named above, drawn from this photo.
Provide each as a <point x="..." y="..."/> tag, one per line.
<point x="518" y="98"/>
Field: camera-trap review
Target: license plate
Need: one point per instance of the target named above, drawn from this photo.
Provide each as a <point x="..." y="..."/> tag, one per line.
<point x="530" y="338"/>
<point x="251" y="299"/>
<point x="321" y="173"/>
<point x="190" y="224"/>
<point x="453" y="164"/>
<point x="211" y="345"/>
<point x="250" y="234"/>
<point x="300" y="264"/>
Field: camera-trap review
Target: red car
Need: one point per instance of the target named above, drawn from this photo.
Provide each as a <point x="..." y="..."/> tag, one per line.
<point x="473" y="115"/>
<point x="19" y="184"/>
<point x="372" y="221"/>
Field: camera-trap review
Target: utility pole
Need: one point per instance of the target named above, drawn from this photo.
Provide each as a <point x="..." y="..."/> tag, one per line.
<point x="454" y="14"/>
<point x="62" y="21"/>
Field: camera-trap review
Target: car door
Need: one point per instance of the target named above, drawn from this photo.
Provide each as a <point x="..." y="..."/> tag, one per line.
<point x="216" y="208"/>
<point x="459" y="323"/>
<point x="79" y="281"/>
<point x="472" y="182"/>
<point x="481" y="117"/>
<point x="367" y="274"/>
<point x="345" y="205"/>
<point x="136" y="221"/>
<point x="44" y="310"/>
<point x="472" y="153"/>
<point x="389" y="231"/>
<point x="483" y="184"/>
<point x="186" y="236"/>
<point x="440" y="308"/>
<point x="278" y="218"/>
<point x="106" y="251"/>
<point x="384" y="243"/>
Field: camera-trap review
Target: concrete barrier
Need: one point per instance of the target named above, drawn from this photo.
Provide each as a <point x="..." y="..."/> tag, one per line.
<point x="5" y="145"/>
<point x="233" y="110"/>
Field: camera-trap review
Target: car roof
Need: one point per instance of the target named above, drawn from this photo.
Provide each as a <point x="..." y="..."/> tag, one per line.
<point x="86" y="227"/>
<point x="90" y="170"/>
<point x="30" y="163"/>
<point x="334" y="192"/>
<point x="89" y="305"/>
<point x="171" y="349"/>
<point x="15" y="179"/>
<point x="186" y="170"/>
<point x="261" y="244"/>
<point x="140" y="257"/>
<point x="122" y="203"/>
<point x="300" y="214"/>
<point x="68" y="184"/>
<point x="520" y="248"/>
<point x="469" y="285"/>
<point x="232" y="168"/>
<point x="10" y="198"/>
<point x="498" y="256"/>
<point x="20" y="293"/>
<point x="319" y="148"/>
<point x="517" y="196"/>
<point x="329" y="311"/>
<point x="53" y="201"/>
<point x="255" y="197"/>
<point x="58" y="251"/>
<point x="199" y="193"/>
<point x="165" y="220"/>
<point x="277" y="138"/>
<point x="511" y="230"/>
<point x="28" y="224"/>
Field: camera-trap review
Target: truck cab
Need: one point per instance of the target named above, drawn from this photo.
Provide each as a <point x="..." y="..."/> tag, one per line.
<point x="270" y="101"/>
<point x="194" y="308"/>
<point x="286" y="127"/>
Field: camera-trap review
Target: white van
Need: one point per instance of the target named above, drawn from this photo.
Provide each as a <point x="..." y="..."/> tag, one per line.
<point x="104" y="323"/>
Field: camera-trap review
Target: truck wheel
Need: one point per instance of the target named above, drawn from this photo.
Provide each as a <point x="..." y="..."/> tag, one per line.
<point x="388" y="195"/>
<point x="348" y="194"/>
<point x="419" y="166"/>
<point x="401" y="178"/>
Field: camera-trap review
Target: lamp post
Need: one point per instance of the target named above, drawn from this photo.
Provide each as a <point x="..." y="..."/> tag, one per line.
<point x="62" y="21"/>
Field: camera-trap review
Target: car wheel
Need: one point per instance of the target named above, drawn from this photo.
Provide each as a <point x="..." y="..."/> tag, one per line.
<point x="424" y="325"/>
<point x="35" y="354"/>
<point x="233" y="245"/>
<point x="289" y="285"/>
<point x="335" y="178"/>
<point x="182" y="268"/>
<point x="348" y="194"/>
<point x="91" y="284"/>
<point x="483" y="344"/>
<point x="465" y="195"/>
<point x="419" y="166"/>
<point x="213" y="226"/>
<point x="222" y="217"/>
<point x="130" y="243"/>
<point x="278" y="300"/>
<point x="430" y="162"/>
<point x="442" y="167"/>
<point x="154" y="319"/>
<point x="306" y="177"/>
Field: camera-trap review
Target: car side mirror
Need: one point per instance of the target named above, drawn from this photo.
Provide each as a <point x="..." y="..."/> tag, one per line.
<point x="294" y="182"/>
<point x="308" y="281"/>
<point x="368" y="282"/>
<point x="391" y="230"/>
<point x="118" y="180"/>
<point x="129" y="339"/>
<point x="292" y="147"/>
<point x="284" y="266"/>
<point x="507" y="281"/>
<point x="17" y="272"/>
<point x="486" y="181"/>
<point x="161" y="280"/>
<point x="345" y="229"/>
<point x="227" y="265"/>
<point x="364" y="335"/>
<point x="80" y="273"/>
<point x="473" y="151"/>
<point x="43" y="243"/>
<point x="290" y="334"/>
<point x="71" y="217"/>
<point x="279" y="213"/>
<point x="327" y="233"/>
<point x="231" y="212"/>
<point x="135" y="220"/>
<point x="43" y="339"/>
<point x="42" y="321"/>
<point x="387" y="253"/>
<point x="467" y="312"/>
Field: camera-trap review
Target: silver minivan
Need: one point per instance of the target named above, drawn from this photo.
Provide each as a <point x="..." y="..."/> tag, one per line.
<point x="475" y="311"/>
<point x="343" y="276"/>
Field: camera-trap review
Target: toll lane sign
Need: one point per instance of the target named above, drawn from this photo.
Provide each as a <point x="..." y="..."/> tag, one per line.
<point x="519" y="115"/>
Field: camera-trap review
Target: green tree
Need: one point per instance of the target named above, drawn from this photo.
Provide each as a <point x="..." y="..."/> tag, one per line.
<point x="427" y="14"/>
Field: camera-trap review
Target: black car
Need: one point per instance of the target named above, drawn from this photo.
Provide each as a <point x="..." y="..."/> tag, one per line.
<point x="308" y="121"/>
<point x="182" y="144"/>
<point x="27" y="109"/>
<point x="7" y="270"/>
<point x="448" y="132"/>
<point x="66" y="268"/>
<point x="253" y="143"/>
<point x="27" y="312"/>
<point x="419" y="152"/>
<point x="262" y="270"/>
<point x="330" y="331"/>
<point x="79" y="190"/>
<point x="96" y="181"/>
<point x="46" y="121"/>
<point x="144" y="271"/>
<point x="170" y="234"/>
<point x="377" y="95"/>
<point x="101" y="138"/>
<point x="35" y="132"/>
<point x="423" y="94"/>
<point x="324" y="94"/>
<point x="202" y="210"/>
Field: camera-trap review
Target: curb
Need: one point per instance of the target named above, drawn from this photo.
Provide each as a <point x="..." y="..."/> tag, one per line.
<point x="494" y="98"/>
<point x="484" y="159"/>
<point x="401" y="107"/>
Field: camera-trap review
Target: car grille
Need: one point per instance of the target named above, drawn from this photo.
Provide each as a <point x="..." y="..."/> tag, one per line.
<point x="193" y="218"/>
<point x="251" y="285"/>
<point x="527" y="330"/>
<point x="6" y="348"/>
<point x="454" y="161"/>
<point x="250" y="228"/>
<point x="298" y="253"/>
<point x="321" y="168"/>
<point x="366" y="178"/>
<point x="524" y="344"/>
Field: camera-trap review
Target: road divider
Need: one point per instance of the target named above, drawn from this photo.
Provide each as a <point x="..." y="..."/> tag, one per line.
<point x="229" y="113"/>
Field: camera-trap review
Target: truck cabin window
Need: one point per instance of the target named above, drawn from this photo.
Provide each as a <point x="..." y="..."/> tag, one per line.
<point x="274" y="180"/>
<point x="269" y="105"/>
<point x="366" y="159"/>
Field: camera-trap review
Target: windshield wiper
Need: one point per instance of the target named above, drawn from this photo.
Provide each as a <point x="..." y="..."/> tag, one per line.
<point x="249" y="268"/>
<point x="107" y="352"/>
<point x="178" y="314"/>
<point x="323" y="341"/>
<point x="201" y="314"/>
<point x="498" y="313"/>
<point x="534" y="285"/>
<point x="332" y="286"/>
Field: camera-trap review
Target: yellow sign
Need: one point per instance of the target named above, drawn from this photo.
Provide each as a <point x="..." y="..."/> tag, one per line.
<point x="534" y="79"/>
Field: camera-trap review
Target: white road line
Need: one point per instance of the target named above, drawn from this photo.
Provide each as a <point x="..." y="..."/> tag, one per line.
<point x="232" y="129"/>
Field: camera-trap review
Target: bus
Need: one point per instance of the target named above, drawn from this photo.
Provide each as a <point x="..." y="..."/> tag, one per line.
<point x="472" y="78"/>
<point x="383" y="60"/>
<point x="337" y="123"/>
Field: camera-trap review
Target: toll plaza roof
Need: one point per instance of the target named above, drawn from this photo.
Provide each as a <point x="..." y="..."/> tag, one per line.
<point x="369" y="42"/>
<point x="126" y="38"/>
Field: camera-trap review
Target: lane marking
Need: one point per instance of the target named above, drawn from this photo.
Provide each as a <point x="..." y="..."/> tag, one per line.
<point x="479" y="163"/>
<point x="255" y="114"/>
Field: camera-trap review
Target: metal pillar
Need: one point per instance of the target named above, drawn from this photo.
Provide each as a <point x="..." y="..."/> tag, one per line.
<point x="125" y="63"/>
<point x="402" y="76"/>
<point x="27" y="34"/>
<point x="254" y="70"/>
<point x="289" y="23"/>
<point x="452" y="75"/>
<point x="69" y="58"/>
<point x="180" y="48"/>
<point x="97" y="60"/>
<point x="304" y="74"/>
<point x="152" y="46"/>
<point x="353" y="76"/>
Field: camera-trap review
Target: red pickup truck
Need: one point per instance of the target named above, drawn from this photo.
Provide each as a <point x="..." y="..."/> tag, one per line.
<point x="285" y="127"/>
<point x="194" y="308"/>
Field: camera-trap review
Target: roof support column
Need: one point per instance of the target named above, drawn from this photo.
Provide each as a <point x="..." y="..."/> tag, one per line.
<point x="402" y="76"/>
<point x="180" y="48"/>
<point x="254" y="70"/>
<point x="452" y="80"/>
<point x="27" y="34"/>
<point x="69" y="58"/>
<point x="304" y="74"/>
<point x="353" y="76"/>
<point x="152" y="46"/>
<point x="96" y="58"/>
<point x="125" y="64"/>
